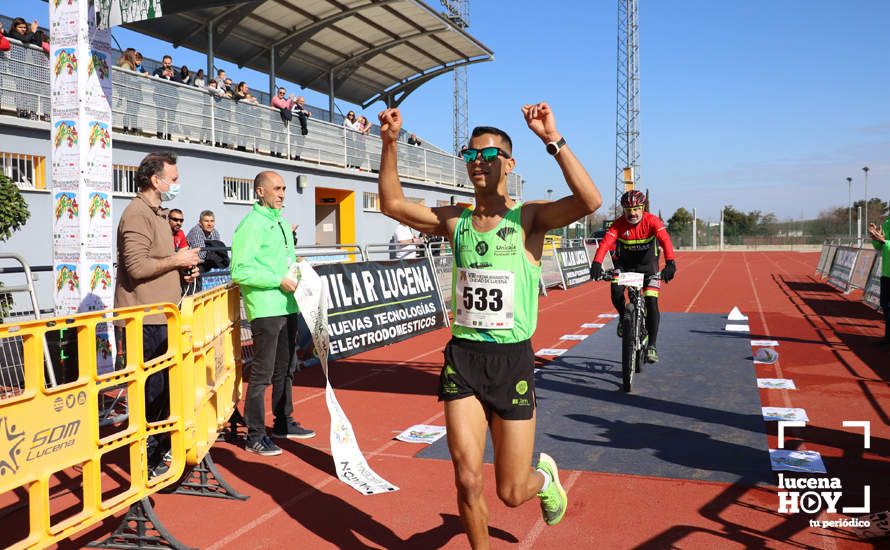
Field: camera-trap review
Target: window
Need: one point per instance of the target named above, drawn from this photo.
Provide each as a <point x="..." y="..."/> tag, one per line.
<point x="238" y="190"/>
<point x="26" y="171"/>
<point x="124" y="182"/>
<point x="372" y="202"/>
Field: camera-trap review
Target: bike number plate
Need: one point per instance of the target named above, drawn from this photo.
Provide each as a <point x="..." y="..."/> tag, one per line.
<point x="484" y="298"/>
<point x="629" y="278"/>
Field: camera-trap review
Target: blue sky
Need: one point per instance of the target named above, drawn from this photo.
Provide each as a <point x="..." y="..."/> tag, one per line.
<point x="764" y="105"/>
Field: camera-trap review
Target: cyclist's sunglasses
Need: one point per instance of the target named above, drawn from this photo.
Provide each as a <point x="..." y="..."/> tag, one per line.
<point x="488" y="154"/>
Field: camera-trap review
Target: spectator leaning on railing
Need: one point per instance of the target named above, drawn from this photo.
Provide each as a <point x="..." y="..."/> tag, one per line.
<point x="139" y="68"/>
<point x="127" y="60"/>
<point x="21" y="32"/>
<point x="166" y="70"/>
<point x="4" y="43"/>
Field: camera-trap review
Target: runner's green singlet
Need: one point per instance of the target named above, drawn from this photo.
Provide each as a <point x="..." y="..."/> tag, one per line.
<point x="494" y="286"/>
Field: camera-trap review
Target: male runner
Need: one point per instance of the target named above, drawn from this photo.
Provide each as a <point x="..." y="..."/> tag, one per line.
<point x="638" y="235"/>
<point x="487" y="381"/>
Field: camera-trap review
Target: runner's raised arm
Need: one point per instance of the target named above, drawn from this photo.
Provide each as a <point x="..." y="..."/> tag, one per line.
<point x="432" y="221"/>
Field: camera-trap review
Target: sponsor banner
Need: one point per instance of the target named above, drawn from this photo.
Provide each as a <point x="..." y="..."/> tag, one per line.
<point x="377" y="303"/>
<point x="862" y="268"/>
<point x="574" y="265"/>
<point x="842" y="268"/>
<point x="110" y="13"/>
<point x="822" y="267"/>
<point x="872" y="291"/>
<point x="349" y="463"/>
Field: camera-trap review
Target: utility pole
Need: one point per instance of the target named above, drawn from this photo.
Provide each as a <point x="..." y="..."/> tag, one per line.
<point x="627" y="129"/>
<point x="694" y="230"/>
<point x="458" y="12"/>
<point x="865" y="169"/>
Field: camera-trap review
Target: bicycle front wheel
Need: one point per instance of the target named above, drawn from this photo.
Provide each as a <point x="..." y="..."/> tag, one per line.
<point x="628" y="348"/>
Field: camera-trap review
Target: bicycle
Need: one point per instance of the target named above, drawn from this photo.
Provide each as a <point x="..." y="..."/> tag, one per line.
<point x="634" y="337"/>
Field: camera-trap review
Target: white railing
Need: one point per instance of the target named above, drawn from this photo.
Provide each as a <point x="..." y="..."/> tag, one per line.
<point x="146" y="105"/>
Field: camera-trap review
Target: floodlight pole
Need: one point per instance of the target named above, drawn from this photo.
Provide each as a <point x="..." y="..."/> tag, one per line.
<point x="865" y="169"/>
<point x="850" y="205"/>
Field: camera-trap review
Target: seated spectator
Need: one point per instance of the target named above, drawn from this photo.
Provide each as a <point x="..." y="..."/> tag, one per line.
<point x="350" y="122"/>
<point x="25" y="35"/>
<point x="127" y="60"/>
<point x="242" y="93"/>
<point x="184" y="76"/>
<point x="4" y="43"/>
<point x="204" y="230"/>
<point x="414" y="140"/>
<point x="166" y="70"/>
<point x="200" y="80"/>
<point x="139" y="68"/>
<point x="302" y="113"/>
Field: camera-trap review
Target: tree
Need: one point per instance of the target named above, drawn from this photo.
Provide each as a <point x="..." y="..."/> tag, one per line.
<point x="13" y="215"/>
<point x="13" y="208"/>
<point x="681" y="219"/>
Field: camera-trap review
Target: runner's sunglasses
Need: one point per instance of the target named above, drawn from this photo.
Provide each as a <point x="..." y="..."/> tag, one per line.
<point x="488" y="154"/>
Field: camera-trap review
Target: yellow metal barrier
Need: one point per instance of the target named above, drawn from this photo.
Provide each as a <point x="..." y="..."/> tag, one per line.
<point x="45" y="431"/>
<point x="211" y="326"/>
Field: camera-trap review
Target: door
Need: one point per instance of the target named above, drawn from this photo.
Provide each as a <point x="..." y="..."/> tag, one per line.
<point x="327" y="224"/>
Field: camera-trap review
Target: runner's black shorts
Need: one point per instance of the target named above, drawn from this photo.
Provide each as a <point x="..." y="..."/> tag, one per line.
<point x="501" y="376"/>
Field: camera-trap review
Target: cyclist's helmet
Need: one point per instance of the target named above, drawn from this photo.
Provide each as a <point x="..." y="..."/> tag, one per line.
<point x="633" y="198"/>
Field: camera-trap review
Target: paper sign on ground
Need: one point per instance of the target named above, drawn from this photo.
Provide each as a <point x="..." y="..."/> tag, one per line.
<point x="764" y="343"/>
<point x="551" y="351"/>
<point x="422" y="433"/>
<point x="593" y="325"/>
<point x="736" y="315"/>
<point x="573" y="337"/>
<point x="738" y="328"/>
<point x="776" y="384"/>
<point x="609" y="315"/>
<point x="783" y="413"/>
<point x="350" y="464"/>
<point x="796" y="461"/>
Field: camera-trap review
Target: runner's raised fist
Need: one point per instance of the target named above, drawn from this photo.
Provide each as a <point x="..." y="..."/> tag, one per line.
<point x="541" y="121"/>
<point x="390" y="124"/>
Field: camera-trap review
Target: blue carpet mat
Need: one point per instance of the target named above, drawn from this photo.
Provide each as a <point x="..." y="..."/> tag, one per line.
<point x="694" y="415"/>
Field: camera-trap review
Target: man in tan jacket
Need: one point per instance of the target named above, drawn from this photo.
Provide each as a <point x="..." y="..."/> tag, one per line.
<point x="148" y="272"/>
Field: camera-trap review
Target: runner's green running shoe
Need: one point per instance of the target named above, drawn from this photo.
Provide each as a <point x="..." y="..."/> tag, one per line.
<point x="651" y="355"/>
<point x="553" y="500"/>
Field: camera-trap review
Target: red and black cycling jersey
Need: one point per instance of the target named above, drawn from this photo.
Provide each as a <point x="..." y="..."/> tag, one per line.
<point x="636" y="246"/>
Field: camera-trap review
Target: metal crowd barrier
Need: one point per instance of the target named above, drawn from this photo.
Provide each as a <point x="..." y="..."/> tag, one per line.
<point x="56" y="430"/>
<point x="551" y="275"/>
<point x="211" y="323"/>
<point x="146" y="105"/>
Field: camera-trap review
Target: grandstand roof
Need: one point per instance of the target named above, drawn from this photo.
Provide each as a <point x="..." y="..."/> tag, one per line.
<point x="376" y="49"/>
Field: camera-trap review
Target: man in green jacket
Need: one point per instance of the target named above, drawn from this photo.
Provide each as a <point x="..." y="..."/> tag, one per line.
<point x="880" y="242"/>
<point x="262" y="252"/>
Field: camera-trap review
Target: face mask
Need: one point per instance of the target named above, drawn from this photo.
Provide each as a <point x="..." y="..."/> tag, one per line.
<point x="171" y="193"/>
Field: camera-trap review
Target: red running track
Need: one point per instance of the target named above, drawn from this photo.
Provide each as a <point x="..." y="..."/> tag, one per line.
<point x="825" y="346"/>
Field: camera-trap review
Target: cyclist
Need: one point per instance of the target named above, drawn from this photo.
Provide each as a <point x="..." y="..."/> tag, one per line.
<point x="636" y="237"/>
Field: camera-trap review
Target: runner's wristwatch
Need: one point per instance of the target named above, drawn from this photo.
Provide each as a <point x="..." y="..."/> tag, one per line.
<point x="554" y="147"/>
